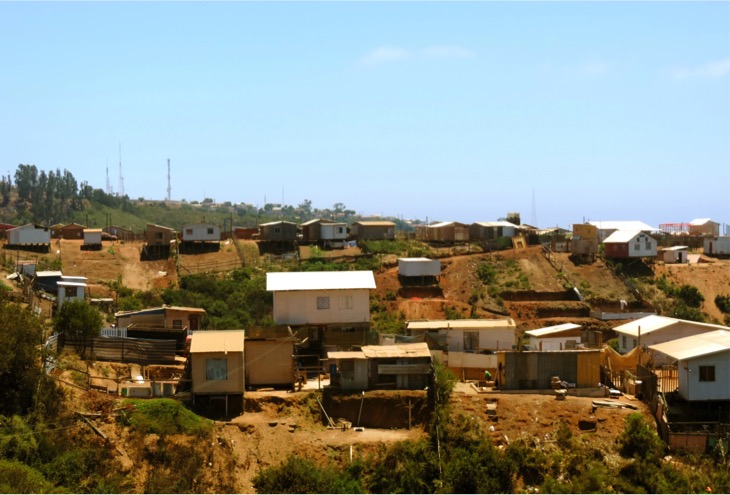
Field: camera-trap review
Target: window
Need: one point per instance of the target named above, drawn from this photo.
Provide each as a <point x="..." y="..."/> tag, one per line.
<point x="188" y="231"/>
<point x="158" y="236"/>
<point x="210" y="230"/>
<point x="216" y="369"/>
<point x="345" y="302"/>
<point x="707" y="373"/>
<point x="177" y="324"/>
<point x="471" y="341"/>
<point x="638" y="246"/>
<point x="648" y="244"/>
<point x="323" y="302"/>
<point x="277" y="230"/>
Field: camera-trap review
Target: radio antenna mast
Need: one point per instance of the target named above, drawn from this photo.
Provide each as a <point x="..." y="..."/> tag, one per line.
<point x="169" y="187"/>
<point x="121" y="177"/>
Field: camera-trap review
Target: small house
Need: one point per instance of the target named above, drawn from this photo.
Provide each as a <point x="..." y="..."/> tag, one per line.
<point x="269" y="357"/>
<point x="326" y="232"/>
<point x="158" y="235"/>
<point x="717" y="246"/>
<point x="630" y="244"/>
<point x="654" y="329"/>
<point x="704" y="227"/>
<point x="248" y="233"/>
<point x="92" y="239"/>
<point x="162" y="323"/>
<point x="489" y="231"/>
<point x="467" y="335"/>
<point x="418" y="270"/>
<point x="71" y="289"/>
<point x="281" y="231"/>
<point x="398" y="366"/>
<point x="373" y="230"/>
<point x="675" y="254"/>
<point x="201" y="232"/>
<point x="448" y="232"/>
<point x="29" y="235"/>
<point x="703" y="365"/>
<point x="555" y="338"/>
<point x="120" y="233"/>
<point x="217" y="370"/>
<point x="69" y="231"/>
<point x="47" y="280"/>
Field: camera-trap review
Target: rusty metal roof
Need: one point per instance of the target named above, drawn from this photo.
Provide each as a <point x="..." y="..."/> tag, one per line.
<point x="417" y="350"/>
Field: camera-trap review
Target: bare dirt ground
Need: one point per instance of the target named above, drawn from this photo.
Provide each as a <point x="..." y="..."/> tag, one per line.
<point x="712" y="278"/>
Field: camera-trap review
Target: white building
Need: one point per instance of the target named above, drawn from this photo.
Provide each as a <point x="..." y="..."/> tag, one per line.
<point x="675" y="254"/>
<point x="654" y="329"/>
<point x="630" y="244"/>
<point x="418" y="267"/>
<point x="703" y="363"/>
<point x="555" y="338"/>
<point x="201" y="232"/>
<point x="717" y="246"/>
<point x="606" y="228"/>
<point x="468" y="335"/>
<point x="29" y="234"/>
<point x="321" y="298"/>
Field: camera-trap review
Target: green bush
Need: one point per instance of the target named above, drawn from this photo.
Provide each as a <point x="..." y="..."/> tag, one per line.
<point x="165" y="417"/>
<point x="723" y="303"/>
<point x="16" y="477"/>
<point x="297" y="475"/>
<point x="690" y="295"/>
<point x="639" y="439"/>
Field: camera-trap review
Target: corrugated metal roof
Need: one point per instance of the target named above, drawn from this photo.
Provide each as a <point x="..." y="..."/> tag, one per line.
<point x="71" y="284"/>
<point x="446" y="224"/>
<point x="541" y="332"/>
<point x="696" y="345"/>
<point x="375" y="223"/>
<point x="48" y="273"/>
<point x="285" y="281"/>
<point x="279" y="222"/>
<point x="346" y="355"/>
<point x="217" y="341"/>
<point x="412" y="260"/>
<point x="92" y="231"/>
<point x="623" y="225"/>
<point x="622" y="236"/>
<point x="700" y="221"/>
<point x="652" y="323"/>
<point x="460" y="324"/>
<point x="159" y="310"/>
<point x="500" y="223"/>
<point x="416" y="350"/>
<point x="676" y="248"/>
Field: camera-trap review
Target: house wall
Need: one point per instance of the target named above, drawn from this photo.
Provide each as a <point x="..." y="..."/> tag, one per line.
<point x="354" y="375"/>
<point x="709" y="228"/>
<point x="419" y="268"/>
<point x="491" y="338"/>
<point x="156" y="236"/>
<point x="300" y="307"/>
<point x="235" y="382"/>
<point x="269" y="362"/>
<point x="675" y="256"/>
<point x="28" y="235"/>
<point x="534" y="370"/>
<point x="448" y="233"/>
<point x="284" y="231"/>
<point x="201" y="232"/>
<point x="642" y="241"/>
<point x="674" y="332"/>
<point x="333" y="231"/>
<point x="551" y="343"/>
<point x="717" y="246"/>
<point x="617" y="249"/>
<point x="372" y="232"/>
<point x="690" y="386"/>
<point x="92" y="237"/>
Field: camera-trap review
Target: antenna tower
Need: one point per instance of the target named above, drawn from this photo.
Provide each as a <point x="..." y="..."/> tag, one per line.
<point x="108" y="185"/>
<point x="169" y="187"/>
<point x="121" y="177"/>
<point x="533" y="220"/>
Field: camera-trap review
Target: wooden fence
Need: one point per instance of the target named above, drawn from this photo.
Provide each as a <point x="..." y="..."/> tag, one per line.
<point x="127" y="350"/>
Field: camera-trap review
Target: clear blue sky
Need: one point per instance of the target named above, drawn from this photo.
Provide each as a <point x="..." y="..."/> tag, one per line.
<point x="446" y="111"/>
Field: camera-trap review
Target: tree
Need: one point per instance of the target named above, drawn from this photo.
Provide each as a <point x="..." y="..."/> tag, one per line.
<point x="79" y="321"/>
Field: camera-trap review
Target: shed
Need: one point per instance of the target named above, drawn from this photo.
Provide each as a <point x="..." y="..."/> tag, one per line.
<point x="92" y="237"/>
<point x="158" y="235"/>
<point x="217" y="368"/>
<point x="399" y="366"/>
<point x="555" y="338"/>
<point x="70" y="291"/>
<point x="47" y="280"/>
<point x="717" y="246"/>
<point x="533" y="370"/>
<point x="488" y="231"/>
<point x="448" y="232"/>
<point x="675" y="254"/>
<point x="703" y="363"/>
<point x="269" y="356"/>
<point x="373" y="230"/>
<point x="467" y="335"/>
<point x="69" y="231"/>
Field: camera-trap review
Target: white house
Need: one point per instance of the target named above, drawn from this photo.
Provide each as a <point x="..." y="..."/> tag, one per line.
<point x="606" y="228"/>
<point x="320" y="298"/>
<point x="29" y="234"/>
<point x="92" y="237"/>
<point x="630" y="244"/>
<point x="555" y="338"/>
<point x="468" y="335"/>
<point x="703" y="365"/>
<point x="70" y="290"/>
<point x="654" y="329"/>
<point x="201" y="232"/>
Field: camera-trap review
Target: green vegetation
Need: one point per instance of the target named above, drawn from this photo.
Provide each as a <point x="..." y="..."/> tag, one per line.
<point x="80" y="321"/>
<point x="164" y="417"/>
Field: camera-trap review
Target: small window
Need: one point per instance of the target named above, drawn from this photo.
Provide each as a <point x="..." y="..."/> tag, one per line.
<point x="638" y="246"/>
<point x="188" y="231"/>
<point x="623" y="341"/>
<point x="216" y="369"/>
<point x="177" y="324"/>
<point x="277" y="230"/>
<point x="471" y="341"/>
<point x="648" y="244"/>
<point x="323" y="302"/>
<point x="158" y="236"/>
<point x="707" y="373"/>
<point x="345" y="302"/>
<point x="210" y="230"/>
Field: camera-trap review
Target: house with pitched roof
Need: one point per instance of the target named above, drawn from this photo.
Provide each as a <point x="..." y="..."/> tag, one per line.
<point x="606" y="228"/>
<point x="217" y="370"/>
<point x="630" y="244"/>
<point x="703" y="364"/>
<point x="555" y="338"/>
<point x="704" y="227"/>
